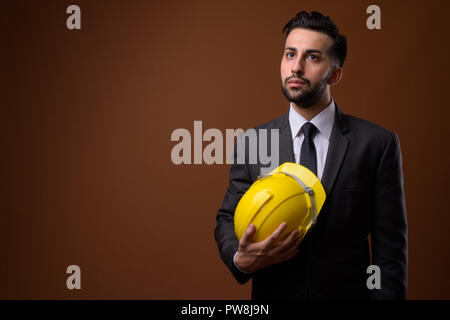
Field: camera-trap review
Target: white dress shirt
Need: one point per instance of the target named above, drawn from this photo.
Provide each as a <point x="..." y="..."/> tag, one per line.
<point x="324" y="123"/>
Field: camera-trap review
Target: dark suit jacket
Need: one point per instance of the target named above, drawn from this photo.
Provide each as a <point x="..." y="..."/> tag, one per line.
<point x="363" y="181"/>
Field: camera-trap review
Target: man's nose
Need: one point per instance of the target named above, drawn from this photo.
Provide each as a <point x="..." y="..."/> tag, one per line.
<point x="298" y="67"/>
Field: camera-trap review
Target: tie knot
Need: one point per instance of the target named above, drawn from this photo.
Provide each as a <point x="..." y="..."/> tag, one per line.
<point x="309" y="130"/>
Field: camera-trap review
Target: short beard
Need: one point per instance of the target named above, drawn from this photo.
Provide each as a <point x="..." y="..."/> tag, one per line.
<point x="307" y="98"/>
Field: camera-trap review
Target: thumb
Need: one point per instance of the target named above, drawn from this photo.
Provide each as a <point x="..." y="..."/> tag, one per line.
<point x="248" y="234"/>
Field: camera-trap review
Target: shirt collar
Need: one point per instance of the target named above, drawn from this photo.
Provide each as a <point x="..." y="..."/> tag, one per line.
<point x="323" y="121"/>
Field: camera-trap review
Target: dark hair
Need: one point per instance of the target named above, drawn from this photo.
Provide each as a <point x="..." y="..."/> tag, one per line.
<point x="317" y="22"/>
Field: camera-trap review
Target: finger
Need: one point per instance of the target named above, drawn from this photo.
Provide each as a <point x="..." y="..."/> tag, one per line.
<point x="294" y="246"/>
<point x="248" y="234"/>
<point x="289" y="241"/>
<point x="298" y="241"/>
<point x="292" y="236"/>
<point x="275" y="235"/>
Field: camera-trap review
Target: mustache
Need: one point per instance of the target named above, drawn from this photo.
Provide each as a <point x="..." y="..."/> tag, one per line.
<point x="296" y="77"/>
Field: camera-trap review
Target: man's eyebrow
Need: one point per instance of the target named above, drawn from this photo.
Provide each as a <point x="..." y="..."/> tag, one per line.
<point x="313" y="50"/>
<point x="306" y="51"/>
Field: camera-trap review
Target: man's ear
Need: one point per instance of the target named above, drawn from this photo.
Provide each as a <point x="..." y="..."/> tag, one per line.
<point x="336" y="75"/>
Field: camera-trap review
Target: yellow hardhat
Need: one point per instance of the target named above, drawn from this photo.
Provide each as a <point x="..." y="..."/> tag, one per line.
<point x="291" y="193"/>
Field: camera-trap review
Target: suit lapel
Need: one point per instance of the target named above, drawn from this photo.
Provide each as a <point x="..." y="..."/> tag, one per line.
<point x="336" y="151"/>
<point x="286" y="149"/>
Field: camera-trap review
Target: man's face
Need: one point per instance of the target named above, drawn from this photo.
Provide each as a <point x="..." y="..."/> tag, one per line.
<point x="306" y="66"/>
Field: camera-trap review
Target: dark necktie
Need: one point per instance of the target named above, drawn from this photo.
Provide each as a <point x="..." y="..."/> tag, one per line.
<point x="308" y="156"/>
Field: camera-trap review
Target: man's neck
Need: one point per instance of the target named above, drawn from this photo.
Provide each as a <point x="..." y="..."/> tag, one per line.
<point x="312" y="111"/>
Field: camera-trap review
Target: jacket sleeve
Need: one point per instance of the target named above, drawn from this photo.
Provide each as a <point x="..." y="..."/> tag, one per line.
<point x="389" y="226"/>
<point x="224" y="233"/>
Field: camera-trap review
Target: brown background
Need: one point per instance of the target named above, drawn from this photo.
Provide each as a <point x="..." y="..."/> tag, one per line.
<point x="87" y="115"/>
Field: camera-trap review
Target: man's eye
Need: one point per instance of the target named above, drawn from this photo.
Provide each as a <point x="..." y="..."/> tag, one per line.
<point x="290" y="54"/>
<point x="313" y="57"/>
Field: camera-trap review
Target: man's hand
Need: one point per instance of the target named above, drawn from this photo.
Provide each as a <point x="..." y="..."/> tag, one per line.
<point x="252" y="256"/>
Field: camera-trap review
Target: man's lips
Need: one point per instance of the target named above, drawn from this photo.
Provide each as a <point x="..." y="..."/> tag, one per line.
<point x="296" y="83"/>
